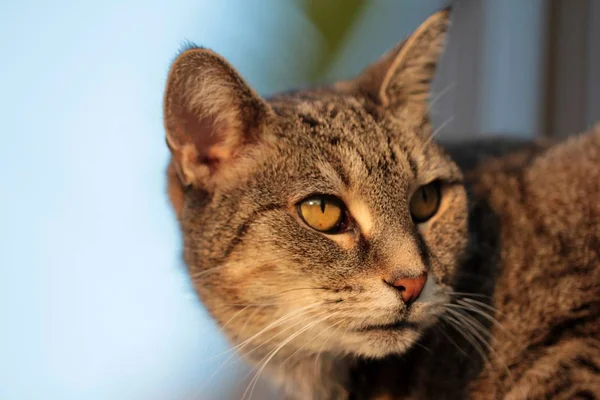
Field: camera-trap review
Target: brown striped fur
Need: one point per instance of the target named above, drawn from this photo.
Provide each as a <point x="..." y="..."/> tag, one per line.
<point x="511" y="308"/>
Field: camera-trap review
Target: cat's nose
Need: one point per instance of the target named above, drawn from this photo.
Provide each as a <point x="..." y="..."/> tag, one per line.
<point x="410" y="288"/>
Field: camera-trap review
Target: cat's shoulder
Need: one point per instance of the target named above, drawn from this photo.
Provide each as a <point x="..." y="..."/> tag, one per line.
<point x="476" y="152"/>
<point x="559" y="181"/>
<point x="502" y="154"/>
<point x="578" y="153"/>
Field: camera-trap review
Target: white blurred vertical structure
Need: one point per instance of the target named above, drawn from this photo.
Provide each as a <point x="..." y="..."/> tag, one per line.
<point x="513" y="56"/>
<point x="525" y="68"/>
<point x="495" y="61"/>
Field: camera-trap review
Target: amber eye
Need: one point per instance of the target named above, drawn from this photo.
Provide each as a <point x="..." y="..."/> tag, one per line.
<point x="425" y="202"/>
<point x="323" y="213"/>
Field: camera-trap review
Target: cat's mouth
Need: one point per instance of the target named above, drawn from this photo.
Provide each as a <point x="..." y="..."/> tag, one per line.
<point x="415" y="320"/>
<point x="394" y="326"/>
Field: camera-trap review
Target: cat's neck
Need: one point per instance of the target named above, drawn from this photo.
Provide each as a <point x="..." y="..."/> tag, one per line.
<point x="315" y="376"/>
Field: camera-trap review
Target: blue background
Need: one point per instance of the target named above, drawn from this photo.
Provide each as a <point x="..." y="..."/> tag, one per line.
<point x="94" y="302"/>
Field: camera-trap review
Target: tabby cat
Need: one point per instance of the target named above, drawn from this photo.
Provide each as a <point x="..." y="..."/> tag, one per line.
<point x="348" y="255"/>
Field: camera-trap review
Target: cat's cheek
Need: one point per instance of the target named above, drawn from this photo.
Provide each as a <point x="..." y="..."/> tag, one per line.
<point x="446" y="234"/>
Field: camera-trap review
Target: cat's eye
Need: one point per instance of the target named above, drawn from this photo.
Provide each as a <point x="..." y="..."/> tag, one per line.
<point x="425" y="202"/>
<point x="323" y="213"/>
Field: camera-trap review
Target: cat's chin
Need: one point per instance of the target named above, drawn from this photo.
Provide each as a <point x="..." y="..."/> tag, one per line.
<point x="381" y="342"/>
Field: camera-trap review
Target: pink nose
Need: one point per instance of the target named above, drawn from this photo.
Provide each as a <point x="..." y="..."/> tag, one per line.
<point x="410" y="288"/>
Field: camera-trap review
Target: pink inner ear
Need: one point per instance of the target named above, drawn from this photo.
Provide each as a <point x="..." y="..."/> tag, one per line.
<point x="207" y="137"/>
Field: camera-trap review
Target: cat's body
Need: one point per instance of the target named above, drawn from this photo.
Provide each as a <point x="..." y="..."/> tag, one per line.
<point x="347" y="255"/>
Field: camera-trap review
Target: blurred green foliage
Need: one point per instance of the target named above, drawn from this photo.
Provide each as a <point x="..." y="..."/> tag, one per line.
<point x="333" y="19"/>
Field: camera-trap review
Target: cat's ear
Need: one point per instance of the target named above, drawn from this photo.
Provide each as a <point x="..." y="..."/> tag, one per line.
<point x="404" y="75"/>
<point x="211" y="115"/>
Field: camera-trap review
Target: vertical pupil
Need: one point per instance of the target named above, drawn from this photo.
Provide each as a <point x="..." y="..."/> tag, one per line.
<point x="424" y="195"/>
<point x="322" y="206"/>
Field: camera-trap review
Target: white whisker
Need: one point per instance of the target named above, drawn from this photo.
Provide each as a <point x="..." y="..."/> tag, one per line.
<point x="441" y="94"/>
<point x="436" y="132"/>
<point x="240" y="346"/>
<point x="277" y="349"/>
<point x="459" y="327"/>
<point x="473" y="308"/>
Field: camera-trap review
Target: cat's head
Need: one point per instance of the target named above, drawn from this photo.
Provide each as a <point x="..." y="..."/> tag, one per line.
<point x="322" y="220"/>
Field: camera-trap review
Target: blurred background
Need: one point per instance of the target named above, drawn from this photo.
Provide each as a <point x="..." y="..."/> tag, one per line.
<point x="94" y="301"/>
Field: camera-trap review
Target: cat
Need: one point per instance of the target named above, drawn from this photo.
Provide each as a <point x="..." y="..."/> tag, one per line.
<point x="348" y="255"/>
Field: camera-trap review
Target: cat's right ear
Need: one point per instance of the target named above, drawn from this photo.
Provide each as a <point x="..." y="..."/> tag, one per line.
<point x="211" y="116"/>
<point x="401" y="80"/>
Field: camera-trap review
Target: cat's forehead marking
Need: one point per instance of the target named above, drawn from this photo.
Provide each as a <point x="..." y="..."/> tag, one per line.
<point x="355" y="202"/>
<point x="361" y="213"/>
<point x="335" y="177"/>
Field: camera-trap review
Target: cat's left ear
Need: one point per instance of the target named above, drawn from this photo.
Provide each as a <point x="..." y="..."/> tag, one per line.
<point x="402" y="78"/>
<point x="211" y="117"/>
